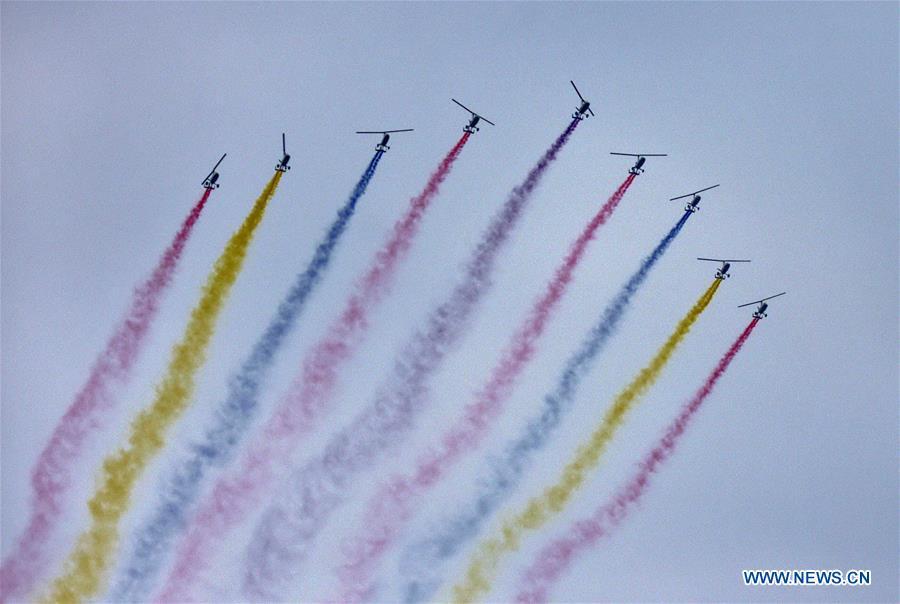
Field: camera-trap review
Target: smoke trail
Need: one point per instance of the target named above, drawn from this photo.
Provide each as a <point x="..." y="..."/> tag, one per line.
<point x="232" y="418"/>
<point x="540" y="509"/>
<point x="555" y="558"/>
<point x="392" y="506"/>
<point x="51" y="476"/>
<point x="239" y="491"/>
<point x="283" y="536"/>
<point x="86" y="564"/>
<point x="423" y="561"/>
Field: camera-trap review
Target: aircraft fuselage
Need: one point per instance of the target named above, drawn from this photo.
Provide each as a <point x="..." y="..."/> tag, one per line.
<point x="581" y="112"/>
<point x="283" y="164"/>
<point x="210" y="183"/>
<point x="636" y="168"/>
<point x="722" y="273"/>
<point x="761" y="311"/>
<point x="692" y="205"/>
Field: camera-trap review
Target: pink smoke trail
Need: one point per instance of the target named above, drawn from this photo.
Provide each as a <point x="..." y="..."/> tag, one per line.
<point x="51" y="477"/>
<point x="556" y="557"/>
<point x="396" y="499"/>
<point x="236" y="493"/>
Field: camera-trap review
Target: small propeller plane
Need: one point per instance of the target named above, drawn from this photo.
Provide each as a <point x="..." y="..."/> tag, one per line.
<point x="722" y="272"/>
<point x="692" y="204"/>
<point x="472" y="126"/>
<point x="386" y="136"/>
<point x="585" y="107"/>
<point x="210" y="181"/>
<point x="283" y="166"/>
<point x="760" y="312"/>
<point x="641" y="158"/>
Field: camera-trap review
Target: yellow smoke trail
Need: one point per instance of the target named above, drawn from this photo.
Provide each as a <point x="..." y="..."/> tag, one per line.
<point x="86" y="565"/>
<point x="539" y="510"/>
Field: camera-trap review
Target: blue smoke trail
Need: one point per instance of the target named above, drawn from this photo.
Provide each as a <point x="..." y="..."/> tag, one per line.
<point x="151" y="542"/>
<point x="422" y="561"/>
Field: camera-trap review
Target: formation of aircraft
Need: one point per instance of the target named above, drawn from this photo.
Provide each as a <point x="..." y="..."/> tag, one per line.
<point x="472" y="126"/>
<point x="582" y="112"/>
<point x="691" y="206"/>
<point x="641" y="158"/>
<point x="760" y="312"/>
<point x="722" y="272"/>
<point x="283" y="166"/>
<point x="210" y="181"/>
<point x="386" y="136"/>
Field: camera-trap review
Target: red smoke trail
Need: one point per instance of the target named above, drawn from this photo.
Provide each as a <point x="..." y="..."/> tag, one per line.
<point x="394" y="502"/>
<point x="236" y="493"/>
<point x="51" y="476"/>
<point x="556" y="557"/>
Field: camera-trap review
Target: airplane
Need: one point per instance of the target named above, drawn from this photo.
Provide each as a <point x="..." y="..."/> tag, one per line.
<point x="584" y="109"/>
<point x="722" y="272"/>
<point x="283" y="166"/>
<point x="641" y="158"/>
<point x="210" y="181"/>
<point x="760" y="312"/>
<point x="383" y="145"/>
<point x="692" y="204"/>
<point x="472" y="126"/>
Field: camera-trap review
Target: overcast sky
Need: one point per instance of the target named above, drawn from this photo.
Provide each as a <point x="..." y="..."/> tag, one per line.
<point x="113" y="113"/>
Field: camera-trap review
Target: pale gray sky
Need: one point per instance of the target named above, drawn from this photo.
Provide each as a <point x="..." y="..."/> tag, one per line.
<point x="113" y="113"/>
